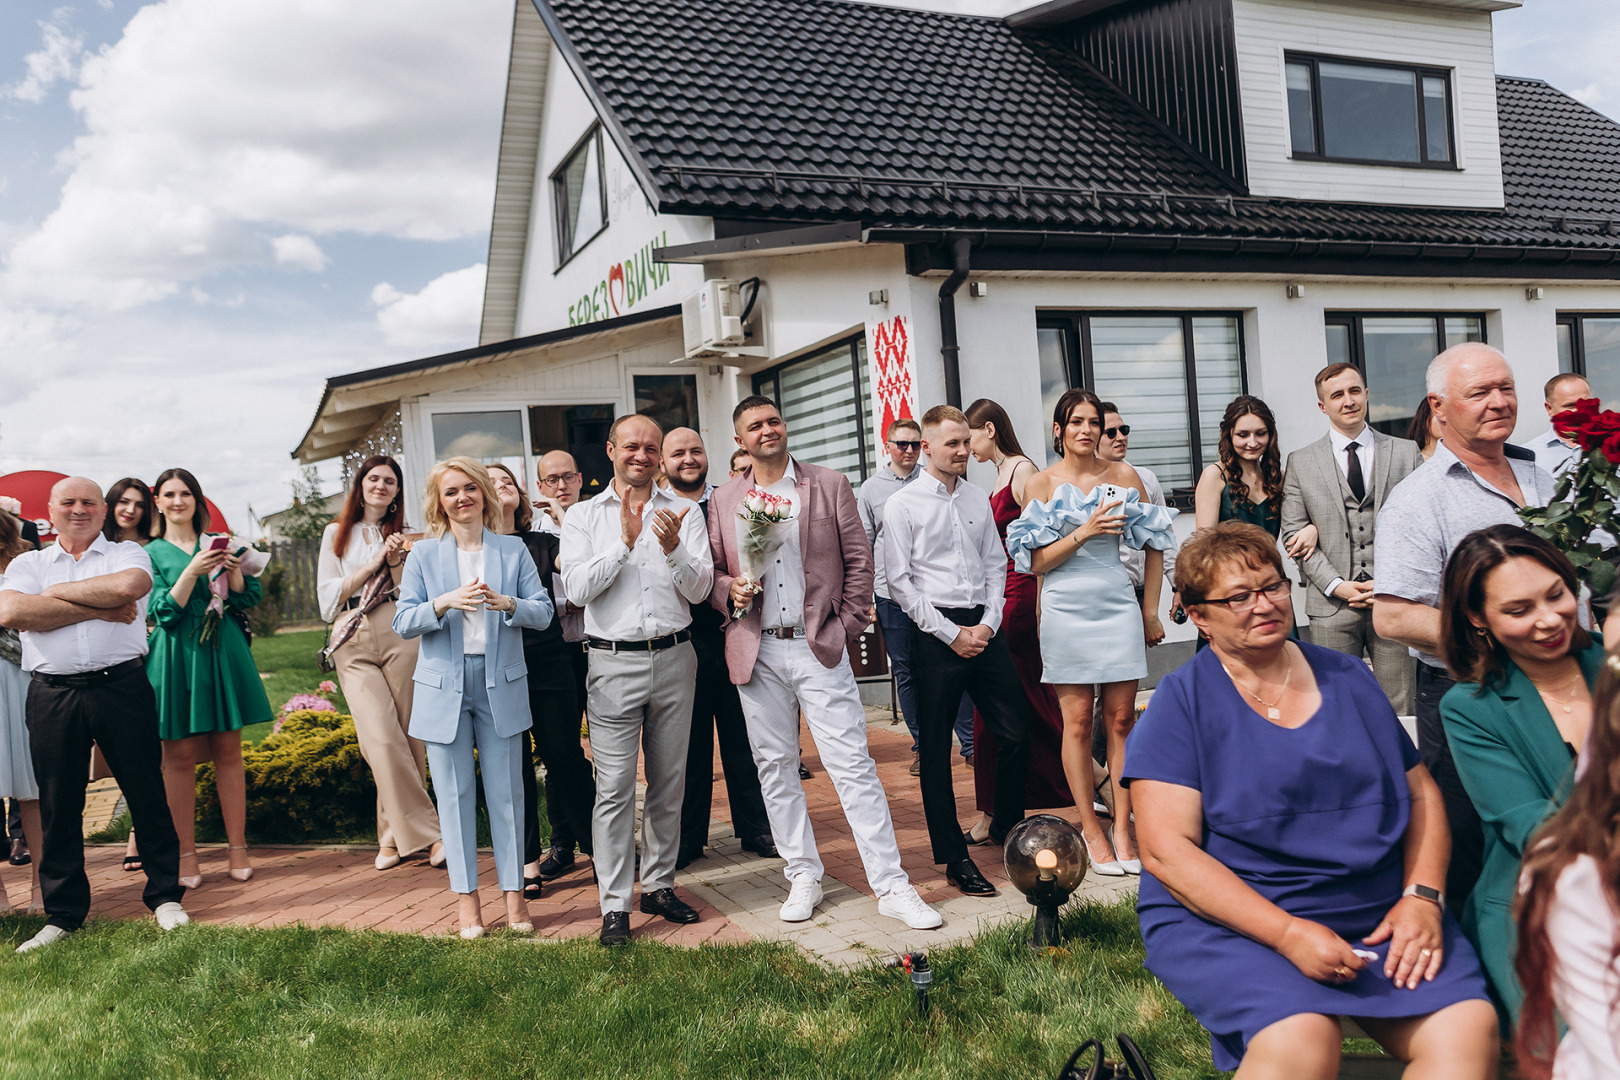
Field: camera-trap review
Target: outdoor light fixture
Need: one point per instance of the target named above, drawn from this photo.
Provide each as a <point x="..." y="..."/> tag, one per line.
<point x="1045" y="859"/>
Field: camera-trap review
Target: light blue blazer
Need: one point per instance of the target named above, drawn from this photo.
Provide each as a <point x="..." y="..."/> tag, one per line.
<point x="431" y="571"/>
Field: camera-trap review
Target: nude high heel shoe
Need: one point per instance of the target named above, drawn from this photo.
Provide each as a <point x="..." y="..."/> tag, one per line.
<point x="190" y="882"/>
<point x="244" y="873"/>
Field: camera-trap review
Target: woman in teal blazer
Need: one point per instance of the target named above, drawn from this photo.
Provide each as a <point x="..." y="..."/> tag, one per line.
<point x="1517" y="716"/>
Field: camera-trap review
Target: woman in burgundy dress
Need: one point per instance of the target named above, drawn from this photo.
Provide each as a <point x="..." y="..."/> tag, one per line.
<point x="994" y="441"/>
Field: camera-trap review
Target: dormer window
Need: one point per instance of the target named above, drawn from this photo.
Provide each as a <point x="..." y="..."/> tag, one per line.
<point x="1368" y="113"/>
<point x="579" y="196"/>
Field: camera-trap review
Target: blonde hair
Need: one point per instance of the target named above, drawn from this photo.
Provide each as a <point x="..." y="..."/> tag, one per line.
<point x="438" y="523"/>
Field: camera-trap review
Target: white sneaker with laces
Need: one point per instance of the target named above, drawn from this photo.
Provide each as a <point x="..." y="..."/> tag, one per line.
<point x="48" y="935"/>
<point x="802" y="900"/>
<point x="171" y="915"/>
<point x="904" y="904"/>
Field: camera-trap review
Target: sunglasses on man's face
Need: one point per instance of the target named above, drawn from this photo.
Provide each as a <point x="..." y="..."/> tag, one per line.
<point x="1123" y="429"/>
<point x="907" y="445"/>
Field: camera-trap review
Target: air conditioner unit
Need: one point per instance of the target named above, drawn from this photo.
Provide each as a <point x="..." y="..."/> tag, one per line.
<point x="711" y="320"/>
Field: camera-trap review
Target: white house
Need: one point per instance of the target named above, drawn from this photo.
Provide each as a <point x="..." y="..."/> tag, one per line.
<point x="1169" y="201"/>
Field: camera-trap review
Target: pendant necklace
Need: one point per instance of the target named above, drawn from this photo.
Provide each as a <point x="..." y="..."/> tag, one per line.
<point x="1550" y="696"/>
<point x="1272" y="711"/>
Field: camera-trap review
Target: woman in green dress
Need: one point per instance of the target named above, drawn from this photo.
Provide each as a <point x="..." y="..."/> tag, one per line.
<point x="207" y="685"/>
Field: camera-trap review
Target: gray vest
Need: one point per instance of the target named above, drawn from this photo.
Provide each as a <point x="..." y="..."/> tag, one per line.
<point x="1359" y="520"/>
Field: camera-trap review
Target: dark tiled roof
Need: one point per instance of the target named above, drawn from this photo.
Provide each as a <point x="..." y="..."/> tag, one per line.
<point x="829" y="110"/>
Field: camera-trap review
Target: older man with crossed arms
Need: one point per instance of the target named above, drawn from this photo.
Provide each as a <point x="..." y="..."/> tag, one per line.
<point x="80" y="606"/>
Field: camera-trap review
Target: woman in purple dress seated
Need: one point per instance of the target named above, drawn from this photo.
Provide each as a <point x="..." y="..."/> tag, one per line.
<point x="1293" y="845"/>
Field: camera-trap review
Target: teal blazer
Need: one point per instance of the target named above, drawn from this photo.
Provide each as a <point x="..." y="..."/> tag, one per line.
<point x="1518" y="771"/>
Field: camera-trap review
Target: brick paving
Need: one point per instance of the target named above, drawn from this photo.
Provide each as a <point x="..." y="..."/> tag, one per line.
<point x="736" y="894"/>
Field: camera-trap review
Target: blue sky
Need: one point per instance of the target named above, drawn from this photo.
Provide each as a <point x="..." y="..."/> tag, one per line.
<point x="206" y="208"/>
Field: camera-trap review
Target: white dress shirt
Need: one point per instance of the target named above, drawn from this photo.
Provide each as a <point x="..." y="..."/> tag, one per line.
<point x="1586" y="981"/>
<point x="95" y="643"/>
<point x="781" y="594"/>
<point x="365" y="540"/>
<point x="943" y="551"/>
<point x="470" y="566"/>
<point x="1135" y="559"/>
<point x="1553" y="453"/>
<point x="634" y="594"/>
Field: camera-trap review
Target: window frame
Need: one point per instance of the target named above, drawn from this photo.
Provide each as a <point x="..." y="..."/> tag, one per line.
<point x="1420" y="71"/>
<point x="767" y="383"/>
<point x="1354" y="320"/>
<point x="566" y="244"/>
<point x="1576" y="321"/>
<point x="1076" y="328"/>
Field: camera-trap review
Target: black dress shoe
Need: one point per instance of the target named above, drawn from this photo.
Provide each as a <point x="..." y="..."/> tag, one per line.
<point x="804" y="773"/>
<point x="965" y="875"/>
<point x="688" y="855"/>
<point x="558" y="861"/>
<point x="763" y="846"/>
<point x="616" y="928"/>
<point x="664" y="902"/>
<point x="19" y="853"/>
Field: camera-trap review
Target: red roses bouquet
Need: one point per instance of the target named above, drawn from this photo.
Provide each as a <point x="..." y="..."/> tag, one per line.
<point x="1586" y="496"/>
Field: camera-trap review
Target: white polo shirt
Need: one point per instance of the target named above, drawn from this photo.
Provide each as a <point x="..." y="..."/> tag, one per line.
<point x="95" y="643"/>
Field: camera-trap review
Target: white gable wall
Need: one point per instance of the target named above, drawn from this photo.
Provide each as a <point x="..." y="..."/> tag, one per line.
<point x="1365" y="30"/>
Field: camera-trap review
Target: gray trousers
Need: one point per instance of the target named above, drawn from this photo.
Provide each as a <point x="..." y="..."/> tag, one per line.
<point x="1351" y="631"/>
<point x="638" y="700"/>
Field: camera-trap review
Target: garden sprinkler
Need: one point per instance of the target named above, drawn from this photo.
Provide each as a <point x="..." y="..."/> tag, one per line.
<point x="916" y="964"/>
<point x="1045" y="860"/>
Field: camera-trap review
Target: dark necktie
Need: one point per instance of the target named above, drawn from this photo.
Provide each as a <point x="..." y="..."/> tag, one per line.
<point x="1358" y="486"/>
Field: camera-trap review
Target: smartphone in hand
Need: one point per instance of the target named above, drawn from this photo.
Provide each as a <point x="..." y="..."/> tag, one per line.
<point x="219" y="543"/>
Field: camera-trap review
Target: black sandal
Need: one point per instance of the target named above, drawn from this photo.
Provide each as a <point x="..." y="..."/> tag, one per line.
<point x="532" y="887"/>
<point x="132" y="863"/>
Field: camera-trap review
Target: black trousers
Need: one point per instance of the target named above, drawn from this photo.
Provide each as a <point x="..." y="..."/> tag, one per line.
<point x="119" y="714"/>
<point x="991" y="681"/>
<point x="554" y="737"/>
<point x="1467" y="835"/>
<point x="717" y="708"/>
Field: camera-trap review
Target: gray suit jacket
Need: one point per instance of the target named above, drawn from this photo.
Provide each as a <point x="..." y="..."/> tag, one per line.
<point x="1314" y="490"/>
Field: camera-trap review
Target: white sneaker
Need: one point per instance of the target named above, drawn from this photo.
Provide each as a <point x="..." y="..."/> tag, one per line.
<point x="904" y="904"/>
<point x="48" y="935"/>
<point x="171" y="915"/>
<point x="802" y="900"/>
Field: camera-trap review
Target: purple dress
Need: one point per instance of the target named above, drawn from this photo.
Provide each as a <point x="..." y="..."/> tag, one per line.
<point x="1313" y="819"/>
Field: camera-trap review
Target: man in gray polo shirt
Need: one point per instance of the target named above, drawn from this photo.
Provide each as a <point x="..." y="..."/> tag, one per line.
<point x="1474" y="480"/>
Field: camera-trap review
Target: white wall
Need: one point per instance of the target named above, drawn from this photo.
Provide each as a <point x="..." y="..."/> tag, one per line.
<point x="1368" y="30"/>
<point x="586" y="288"/>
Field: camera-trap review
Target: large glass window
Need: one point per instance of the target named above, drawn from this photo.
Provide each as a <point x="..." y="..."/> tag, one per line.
<point x="824" y="400"/>
<point x="489" y="437"/>
<point x="669" y="399"/>
<point x="1367" y="113"/>
<point x="1393" y="351"/>
<point x="1589" y="345"/>
<point x="1171" y="375"/>
<point x="582" y="430"/>
<point x="579" y="196"/>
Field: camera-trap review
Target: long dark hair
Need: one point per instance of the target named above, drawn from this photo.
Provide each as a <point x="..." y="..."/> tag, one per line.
<point x="1271" y="474"/>
<point x="12" y="543"/>
<point x="1472" y="655"/>
<point x="1588" y="824"/>
<point x="1418" y="430"/>
<point x="984" y="411"/>
<point x="110" y="529"/>
<point x="199" y="516"/>
<point x="1065" y="409"/>
<point x="354" y="505"/>
<point x="523" y="516"/>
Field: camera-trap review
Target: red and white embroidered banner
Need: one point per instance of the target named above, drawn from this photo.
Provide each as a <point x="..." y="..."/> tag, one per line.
<point x="894" y="375"/>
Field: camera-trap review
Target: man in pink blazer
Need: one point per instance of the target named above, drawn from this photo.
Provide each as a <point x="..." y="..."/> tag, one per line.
<point x="788" y="653"/>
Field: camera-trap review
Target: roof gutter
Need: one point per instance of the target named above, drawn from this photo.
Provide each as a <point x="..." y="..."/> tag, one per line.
<point x="949" y="349"/>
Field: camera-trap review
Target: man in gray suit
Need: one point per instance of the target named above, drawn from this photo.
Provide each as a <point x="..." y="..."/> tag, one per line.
<point x="1339" y="483"/>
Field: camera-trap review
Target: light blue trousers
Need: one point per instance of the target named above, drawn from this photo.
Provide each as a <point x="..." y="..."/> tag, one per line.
<point x="455" y="771"/>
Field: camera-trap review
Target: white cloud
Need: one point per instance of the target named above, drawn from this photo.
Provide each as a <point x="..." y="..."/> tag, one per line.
<point x="207" y="122"/>
<point x="299" y="253"/>
<point x="57" y="58"/>
<point x="445" y="312"/>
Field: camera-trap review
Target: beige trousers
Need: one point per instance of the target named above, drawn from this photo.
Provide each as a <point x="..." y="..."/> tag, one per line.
<point x="374" y="668"/>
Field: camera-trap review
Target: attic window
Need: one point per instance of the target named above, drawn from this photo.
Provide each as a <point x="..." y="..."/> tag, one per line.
<point x="1369" y="114"/>
<point x="579" y="196"/>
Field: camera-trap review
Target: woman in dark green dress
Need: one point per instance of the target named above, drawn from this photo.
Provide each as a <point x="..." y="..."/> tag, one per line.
<point x="201" y="667"/>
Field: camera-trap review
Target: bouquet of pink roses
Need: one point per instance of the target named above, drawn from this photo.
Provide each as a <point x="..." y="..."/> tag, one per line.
<point x="763" y="521"/>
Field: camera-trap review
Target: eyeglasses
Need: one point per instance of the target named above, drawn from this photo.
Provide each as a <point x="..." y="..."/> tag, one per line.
<point x="907" y="445"/>
<point x="1244" y="602"/>
<point x="1123" y="429"/>
<point x="560" y="480"/>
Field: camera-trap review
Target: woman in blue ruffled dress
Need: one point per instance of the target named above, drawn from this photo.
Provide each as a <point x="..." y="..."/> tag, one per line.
<point x="1091" y="630"/>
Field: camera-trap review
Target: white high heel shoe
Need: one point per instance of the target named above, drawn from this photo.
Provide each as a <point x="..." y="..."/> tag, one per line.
<point x="1109" y="868"/>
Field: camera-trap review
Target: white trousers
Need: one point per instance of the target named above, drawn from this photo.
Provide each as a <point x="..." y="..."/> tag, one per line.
<point x="787" y="678"/>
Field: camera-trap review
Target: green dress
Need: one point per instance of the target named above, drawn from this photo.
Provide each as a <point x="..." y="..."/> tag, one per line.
<point x="202" y="686"/>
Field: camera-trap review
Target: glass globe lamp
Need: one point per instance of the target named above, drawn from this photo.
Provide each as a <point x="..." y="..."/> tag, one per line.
<point x="1046" y="861"/>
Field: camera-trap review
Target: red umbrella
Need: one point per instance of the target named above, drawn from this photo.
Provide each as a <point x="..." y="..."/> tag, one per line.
<point x="32" y="488"/>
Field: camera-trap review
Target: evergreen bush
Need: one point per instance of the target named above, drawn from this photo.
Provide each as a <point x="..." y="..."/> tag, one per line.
<point x="305" y="783"/>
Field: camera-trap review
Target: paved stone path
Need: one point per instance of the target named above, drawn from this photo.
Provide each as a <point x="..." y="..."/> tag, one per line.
<point x="737" y="894"/>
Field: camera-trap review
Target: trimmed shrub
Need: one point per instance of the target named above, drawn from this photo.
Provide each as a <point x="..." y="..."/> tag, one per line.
<point x="306" y="782"/>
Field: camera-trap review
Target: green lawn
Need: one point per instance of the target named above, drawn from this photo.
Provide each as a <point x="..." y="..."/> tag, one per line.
<point x="287" y="664"/>
<point x="123" y="1000"/>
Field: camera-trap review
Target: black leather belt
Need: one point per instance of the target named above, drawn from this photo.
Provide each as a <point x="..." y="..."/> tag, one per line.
<point x="970" y="616"/>
<point x="81" y="679"/>
<point x="668" y="641"/>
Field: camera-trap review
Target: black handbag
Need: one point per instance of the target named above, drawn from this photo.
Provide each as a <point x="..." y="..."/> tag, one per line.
<point x="1134" y="1067"/>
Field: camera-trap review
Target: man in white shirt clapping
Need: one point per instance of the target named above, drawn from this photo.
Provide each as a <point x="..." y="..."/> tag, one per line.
<point x="947" y="569"/>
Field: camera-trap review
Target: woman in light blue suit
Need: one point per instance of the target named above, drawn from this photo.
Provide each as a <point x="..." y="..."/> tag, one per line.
<point x="467" y="595"/>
